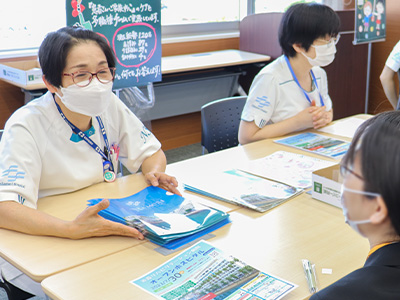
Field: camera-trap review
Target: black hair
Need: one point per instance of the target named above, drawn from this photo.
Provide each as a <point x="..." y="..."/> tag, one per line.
<point x="377" y="141"/>
<point x="303" y="23"/>
<point x="55" y="47"/>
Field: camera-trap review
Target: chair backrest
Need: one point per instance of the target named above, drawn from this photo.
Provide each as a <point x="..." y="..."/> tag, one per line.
<point x="1" y="133"/>
<point x="259" y="34"/>
<point x="220" y="123"/>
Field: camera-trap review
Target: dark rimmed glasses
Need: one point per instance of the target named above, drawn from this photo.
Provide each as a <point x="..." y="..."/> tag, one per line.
<point x="344" y="171"/>
<point x="84" y="78"/>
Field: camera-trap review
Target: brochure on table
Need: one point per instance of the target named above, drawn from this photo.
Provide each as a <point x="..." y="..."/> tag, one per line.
<point x="164" y="218"/>
<point x="205" y="272"/>
<point x="241" y="188"/>
<point x="287" y="167"/>
<point x="316" y="143"/>
<point x="346" y="128"/>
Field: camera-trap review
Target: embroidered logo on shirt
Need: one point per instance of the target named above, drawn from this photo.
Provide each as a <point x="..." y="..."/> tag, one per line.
<point x="13" y="174"/>
<point x="261" y="103"/>
<point x="21" y="199"/>
<point x="144" y="134"/>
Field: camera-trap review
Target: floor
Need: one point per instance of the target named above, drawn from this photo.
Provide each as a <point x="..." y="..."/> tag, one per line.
<point x="181" y="153"/>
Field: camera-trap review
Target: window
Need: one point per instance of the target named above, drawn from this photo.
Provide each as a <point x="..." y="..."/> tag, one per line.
<point x="24" y="23"/>
<point x="262" y="6"/>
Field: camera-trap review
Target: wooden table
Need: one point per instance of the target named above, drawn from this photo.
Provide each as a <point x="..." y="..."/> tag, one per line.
<point x="274" y="241"/>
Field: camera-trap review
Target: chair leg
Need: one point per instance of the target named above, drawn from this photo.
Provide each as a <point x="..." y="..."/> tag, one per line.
<point x="13" y="292"/>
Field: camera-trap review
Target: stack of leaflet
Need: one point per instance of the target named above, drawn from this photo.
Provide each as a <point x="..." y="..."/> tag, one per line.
<point x="164" y="218"/>
<point x="242" y="188"/>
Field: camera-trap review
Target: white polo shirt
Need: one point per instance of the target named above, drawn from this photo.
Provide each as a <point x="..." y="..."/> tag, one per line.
<point x="40" y="155"/>
<point x="274" y="96"/>
<point x="393" y="60"/>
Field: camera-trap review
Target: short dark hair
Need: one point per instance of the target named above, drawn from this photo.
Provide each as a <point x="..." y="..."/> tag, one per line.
<point x="303" y="23"/>
<point x="55" y="47"/>
<point x="377" y="141"/>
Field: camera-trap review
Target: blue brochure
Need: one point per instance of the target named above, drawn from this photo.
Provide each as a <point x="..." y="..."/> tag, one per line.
<point x="164" y="218"/>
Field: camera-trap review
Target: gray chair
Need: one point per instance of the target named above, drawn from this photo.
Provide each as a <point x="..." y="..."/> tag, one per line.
<point x="1" y="133"/>
<point x="220" y="123"/>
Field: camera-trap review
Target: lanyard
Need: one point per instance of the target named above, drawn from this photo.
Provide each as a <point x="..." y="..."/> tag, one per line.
<point x="87" y="139"/>
<point x="298" y="83"/>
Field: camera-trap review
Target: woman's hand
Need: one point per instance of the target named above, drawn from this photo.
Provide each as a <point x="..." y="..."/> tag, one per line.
<point x="89" y="224"/>
<point x="163" y="180"/>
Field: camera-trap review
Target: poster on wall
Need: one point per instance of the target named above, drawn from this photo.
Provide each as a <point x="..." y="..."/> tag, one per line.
<point x="370" y="21"/>
<point x="132" y="28"/>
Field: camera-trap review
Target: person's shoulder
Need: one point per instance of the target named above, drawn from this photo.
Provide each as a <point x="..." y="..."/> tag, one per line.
<point x="37" y="110"/>
<point x="276" y="70"/>
<point x="396" y="47"/>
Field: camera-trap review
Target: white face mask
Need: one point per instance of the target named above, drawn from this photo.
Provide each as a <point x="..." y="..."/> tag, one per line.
<point x="91" y="100"/>
<point x="354" y="224"/>
<point x="325" y="54"/>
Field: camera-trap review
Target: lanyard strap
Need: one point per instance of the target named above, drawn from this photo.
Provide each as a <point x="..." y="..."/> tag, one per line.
<point x="87" y="139"/>
<point x="298" y="83"/>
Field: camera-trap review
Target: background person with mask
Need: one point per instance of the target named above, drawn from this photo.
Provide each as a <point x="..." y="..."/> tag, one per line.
<point x="392" y="66"/>
<point x="371" y="206"/>
<point x="291" y="93"/>
<point x="63" y="141"/>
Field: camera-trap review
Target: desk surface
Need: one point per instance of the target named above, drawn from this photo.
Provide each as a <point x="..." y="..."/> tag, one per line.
<point x="190" y="62"/>
<point x="274" y="241"/>
<point x="209" y="60"/>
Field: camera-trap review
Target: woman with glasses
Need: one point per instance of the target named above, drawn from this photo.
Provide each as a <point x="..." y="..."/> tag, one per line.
<point x="371" y="206"/>
<point x="291" y="93"/>
<point x="71" y="138"/>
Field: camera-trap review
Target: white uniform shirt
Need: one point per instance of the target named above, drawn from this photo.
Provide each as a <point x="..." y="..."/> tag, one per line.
<point x="38" y="158"/>
<point x="393" y="61"/>
<point x="274" y="96"/>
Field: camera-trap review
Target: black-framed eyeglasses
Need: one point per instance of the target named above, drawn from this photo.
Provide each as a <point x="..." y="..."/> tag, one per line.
<point x="344" y="171"/>
<point x="84" y="78"/>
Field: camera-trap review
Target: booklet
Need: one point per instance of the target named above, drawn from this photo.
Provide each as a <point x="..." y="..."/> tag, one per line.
<point x="205" y="272"/>
<point x="287" y="167"/>
<point x="241" y="188"/>
<point x="164" y="218"/>
<point x="317" y="143"/>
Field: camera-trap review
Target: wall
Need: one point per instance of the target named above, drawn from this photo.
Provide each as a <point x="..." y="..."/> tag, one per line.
<point x="380" y="51"/>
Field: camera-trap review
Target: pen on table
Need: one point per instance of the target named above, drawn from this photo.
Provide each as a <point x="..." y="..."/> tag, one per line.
<point x="309" y="271"/>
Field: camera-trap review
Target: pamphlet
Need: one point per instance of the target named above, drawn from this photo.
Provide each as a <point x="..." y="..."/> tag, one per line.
<point x="345" y="127"/>
<point x="317" y="143"/>
<point x="242" y="188"/>
<point x="287" y="167"/>
<point x="164" y="218"/>
<point x="205" y="272"/>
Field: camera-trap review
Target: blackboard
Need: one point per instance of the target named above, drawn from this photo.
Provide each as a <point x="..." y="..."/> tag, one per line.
<point x="132" y="28"/>
<point x="370" y="21"/>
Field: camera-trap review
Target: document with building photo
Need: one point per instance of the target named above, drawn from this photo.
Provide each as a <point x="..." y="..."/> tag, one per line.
<point x="206" y="272"/>
<point x="316" y="143"/>
<point x="241" y="188"/>
<point x="287" y="167"/>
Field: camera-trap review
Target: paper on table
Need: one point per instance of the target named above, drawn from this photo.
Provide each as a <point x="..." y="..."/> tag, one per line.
<point x="287" y="167"/>
<point x="206" y="272"/>
<point x="345" y="128"/>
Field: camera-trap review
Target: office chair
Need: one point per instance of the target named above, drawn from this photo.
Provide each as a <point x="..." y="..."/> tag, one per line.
<point x="13" y="292"/>
<point x="220" y="123"/>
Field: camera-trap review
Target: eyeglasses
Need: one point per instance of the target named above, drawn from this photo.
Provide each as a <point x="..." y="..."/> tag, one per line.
<point x="84" y="78"/>
<point x="345" y="171"/>
<point x="363" y="193"/>
<point x="333" y="40"/>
